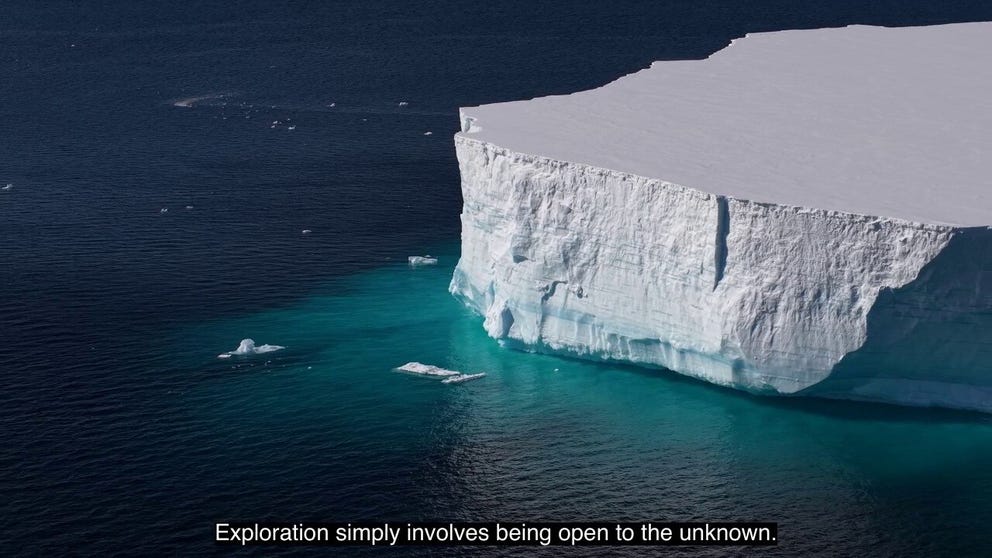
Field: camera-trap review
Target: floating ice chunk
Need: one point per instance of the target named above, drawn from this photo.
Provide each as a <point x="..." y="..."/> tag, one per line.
<point x="293" y="127"/>
<point x="462" y="378"/>
<point x="426" y="370"/>
<point x="306" y="231"/>
<point x="403" y="103"/>
<point x="8" y="187"/>
<point x="428" y="133"/>
<point x="164" y="210"/>
<point x="188" y="207"/>
<point x="332" y="105"/>
<point x="422" y="260"/>
<point x="248" y="347"/>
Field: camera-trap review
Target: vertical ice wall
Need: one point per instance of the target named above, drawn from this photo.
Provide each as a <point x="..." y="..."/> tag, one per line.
<point x="596" y="263"/>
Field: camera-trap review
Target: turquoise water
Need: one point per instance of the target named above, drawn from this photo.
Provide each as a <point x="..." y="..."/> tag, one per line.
<point x="547" y="438"/>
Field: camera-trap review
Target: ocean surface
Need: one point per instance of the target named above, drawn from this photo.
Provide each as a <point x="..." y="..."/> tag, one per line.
<point x="124" y="434"/>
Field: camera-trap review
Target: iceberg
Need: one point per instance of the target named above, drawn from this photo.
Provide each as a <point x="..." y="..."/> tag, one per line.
<point x="248" y="347"/>
<point x="802" y="213"/>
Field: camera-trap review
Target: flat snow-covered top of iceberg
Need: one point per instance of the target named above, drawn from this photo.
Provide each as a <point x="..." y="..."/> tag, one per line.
<point x="893" y="122"/>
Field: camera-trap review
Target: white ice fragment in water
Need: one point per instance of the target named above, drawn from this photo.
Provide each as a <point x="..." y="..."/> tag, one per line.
<point x="188" y="102"/>
<point x="331" y="105"/>
<point x="426" y="369"/>
<point x="428" y="133"/>
<point x="292" y="127"/>
<point x="422" y="260"/>
<point x="462" y="378"/>
<point x="403" y="103"/>
<point x="248" y="347"/>
<point x="189" y="207"/>
<point x="9" y="186"/>
<point x="164" y="210"/>
<point x="306" y="231"/>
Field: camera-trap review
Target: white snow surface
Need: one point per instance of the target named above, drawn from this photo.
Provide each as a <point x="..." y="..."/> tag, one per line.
<point x="787" y="216"/>
<point x="871" y="120"/>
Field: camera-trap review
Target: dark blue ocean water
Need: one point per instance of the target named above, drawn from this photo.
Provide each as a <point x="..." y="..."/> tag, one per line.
<point x="123" y="434"/>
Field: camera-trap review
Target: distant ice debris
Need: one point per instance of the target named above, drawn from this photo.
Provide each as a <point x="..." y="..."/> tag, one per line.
<point x="164" y="210"/>
<point x="462" y="378"/>
<point x="189" y="102"/>
<point x="306" y="231"/>
<point x="248" y="347"/>
<point x="426" y="369"/>
<point x="422" y="260"/>
<point x="428" y="133"/>
<point x="332" y="105"/>
<point x="293" y="127"/>
<point x="403" y="103"/>
<point x="188" y="207"/>
<point x="9" y="186"/>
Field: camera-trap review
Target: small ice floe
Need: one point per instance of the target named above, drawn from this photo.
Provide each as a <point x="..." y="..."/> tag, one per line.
<point x="426" y="370"/>
<point x="188" y="207"/>
<point x="248" y="347"/>
<point x="293" y="127"/>
<point x="9" y="186"/>
<point x="164" y="210"/>
<point x="332" y="105"/>
<point x="449" y="376"/>
<point x="421" y="260"/>
<point x="306" y="231"/>
<point x="403" y="103"/>
<point x="462" y="378"/>
<point x="428" y="133"/>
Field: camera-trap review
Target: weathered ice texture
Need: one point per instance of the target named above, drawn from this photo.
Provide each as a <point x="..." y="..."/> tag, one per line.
<point x="569" y="256"/>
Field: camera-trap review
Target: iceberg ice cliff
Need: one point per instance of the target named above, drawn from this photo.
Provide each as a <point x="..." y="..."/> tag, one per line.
<point x="804" y="212"/>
